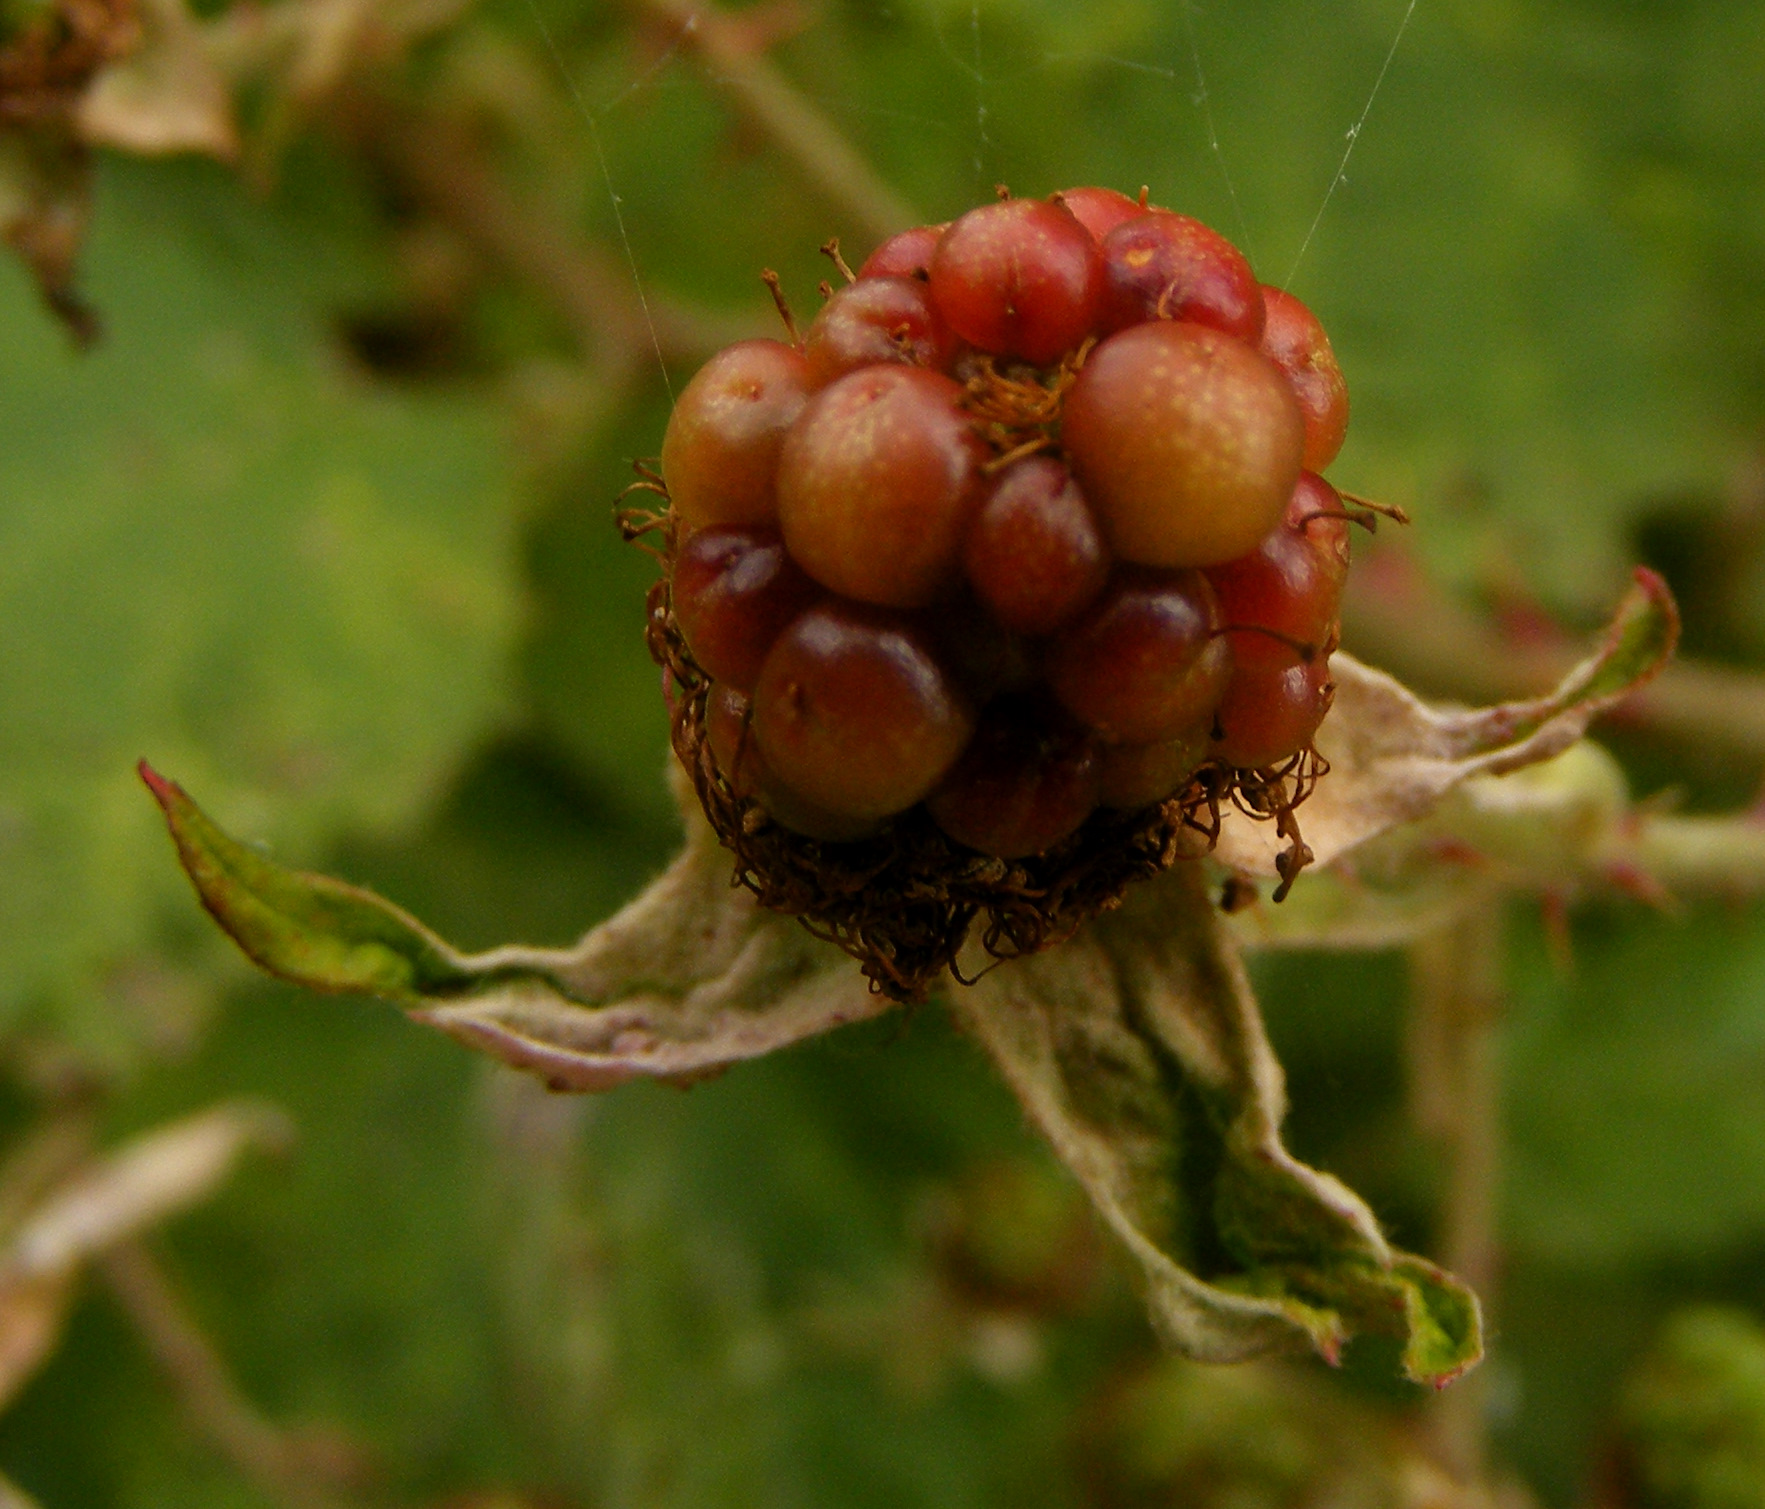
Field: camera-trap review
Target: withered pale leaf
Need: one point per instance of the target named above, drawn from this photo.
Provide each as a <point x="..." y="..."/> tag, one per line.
<point x="1393" y="758"/>
<point x="690" y="977"/>
<point x="166" y="96"/>
<point x="1557" y="826"/>
<point x="143" y="1182"/>
<point x="45" y="202"/>
<point x="1136" y="1045"/>
<point x="14" y="1497"/>
<point x="1137" y="1048"/>
<point x="156" y="1175"/>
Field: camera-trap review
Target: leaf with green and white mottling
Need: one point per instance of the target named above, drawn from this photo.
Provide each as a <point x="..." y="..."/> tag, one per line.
<point x="1136" y="1046"/>
<point x="1565" y="828"/>
<point x="689" y="978"/>
<point x="1138" y="1050"/>
<point x="221" y="547"/>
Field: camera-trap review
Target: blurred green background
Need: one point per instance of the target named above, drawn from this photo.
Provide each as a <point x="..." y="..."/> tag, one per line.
<point x="322" y="526"/>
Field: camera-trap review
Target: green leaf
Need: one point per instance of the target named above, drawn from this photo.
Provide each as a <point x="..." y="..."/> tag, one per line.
<point x="1635" y="1105"/>
<point x="1138" y="1050"/>
<point x="689" y="978"/>
<point x="310" y="929"/>
<point x="1692" y="1415"/>
<point x="224" y="548"/>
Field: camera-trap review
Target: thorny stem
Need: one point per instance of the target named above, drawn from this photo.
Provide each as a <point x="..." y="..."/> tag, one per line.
<point x="1455" y="1098"/>
<point x="769" y="101"/>
<point x="1708" y="856"/>
<point x="289" y="1469"/>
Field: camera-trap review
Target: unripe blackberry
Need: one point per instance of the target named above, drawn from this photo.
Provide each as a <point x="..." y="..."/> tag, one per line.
<point x="730" y="735"/>
<point x="854" y="713"/>
<point x="1006" y="580"/>
<point x="1019" y="278"/>
<point x="1137" y="775"/>
<point x="1272" y="706"/>
<point x="1100" y="210"/>
<point x="1147" y="662"/>
<point x="876" y="483"/>
<point x="720" y="454"/>
<point x="1290" y="586"/>
<point x="1027" y="780"/>
<point x="907" y="254"/>
<point x="877" y="320"/>
<point x="1162" y="266"/>
<point x="1034" y="555"/>
<point x="1294" y="340"/>
<point x="1186" y="441"/>
<point x="734" y="592"/>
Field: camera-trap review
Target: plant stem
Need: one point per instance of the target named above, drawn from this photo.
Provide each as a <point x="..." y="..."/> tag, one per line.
<point x="1455" y="1097"/>
<point x="289" y="1468"/>
<point x="440" y="164"/>
<point x="771" y="104"/>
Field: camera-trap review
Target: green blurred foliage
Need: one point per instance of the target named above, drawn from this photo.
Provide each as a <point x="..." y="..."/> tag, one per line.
<point x="1692" y="1415"/>
<point x="228" y="551"/>
<point x="347" y="602"/>
<point x="1637" y="1091"/>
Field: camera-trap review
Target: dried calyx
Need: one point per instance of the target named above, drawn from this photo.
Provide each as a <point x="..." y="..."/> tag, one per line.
<point x="904" y="900"/>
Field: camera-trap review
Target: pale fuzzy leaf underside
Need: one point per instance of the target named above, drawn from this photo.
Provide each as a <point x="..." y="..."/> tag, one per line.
<point x="690" y="977"/>
<point x="1138" y="1050"/>
<point x="1393" y="758"/>
<point x="166" y="96"/>
<point x="1135" y="1046"/>
<point x="1560" y="826"/>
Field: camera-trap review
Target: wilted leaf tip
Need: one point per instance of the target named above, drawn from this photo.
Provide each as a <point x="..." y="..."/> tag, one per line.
<point x="1637" y="643"/>
<point x="1645" y="632"/>
<point x="164" y="792"/>
<point x="310" y="929"/>
<point x="687" y="979"/>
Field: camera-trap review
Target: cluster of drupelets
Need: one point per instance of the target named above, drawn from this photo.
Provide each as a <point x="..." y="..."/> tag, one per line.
<point x="985" y="591"/>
